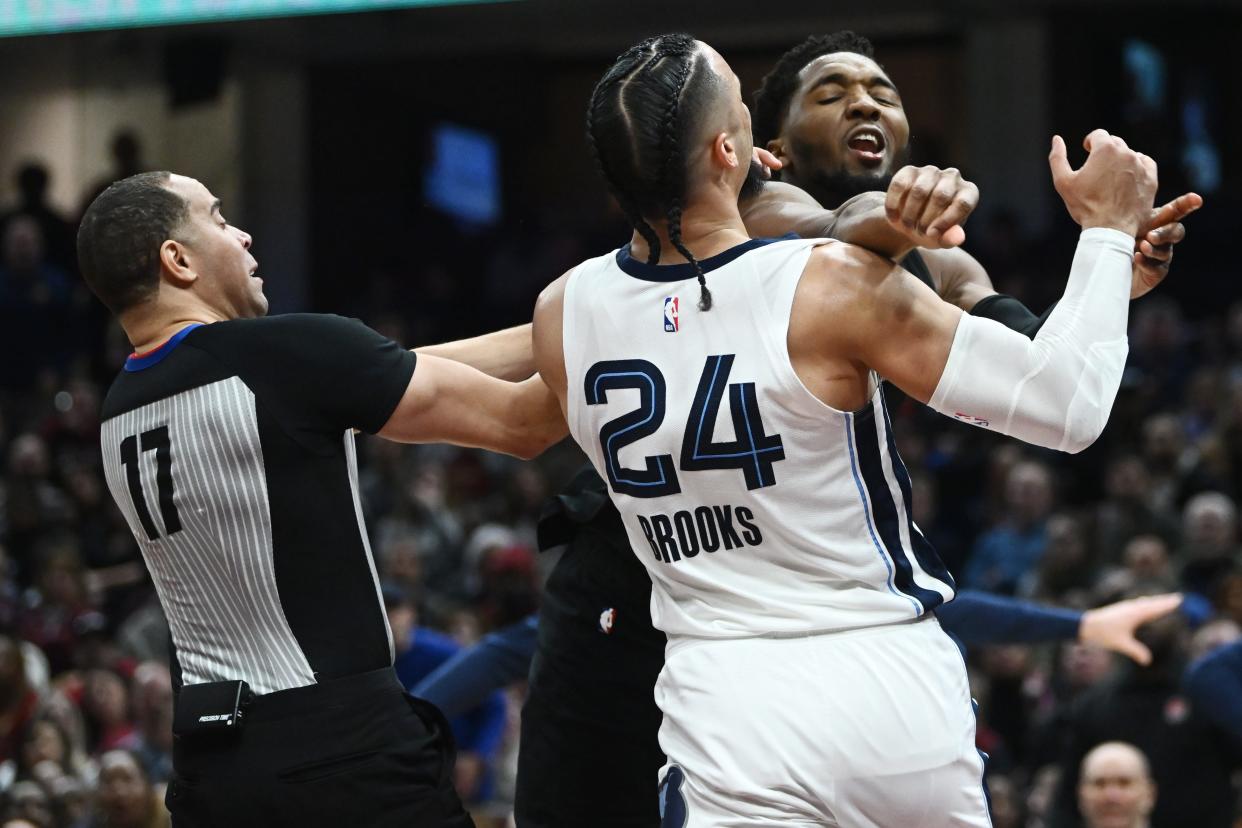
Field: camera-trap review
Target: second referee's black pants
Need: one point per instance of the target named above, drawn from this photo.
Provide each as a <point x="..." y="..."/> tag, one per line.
<point x="356" y="751"/>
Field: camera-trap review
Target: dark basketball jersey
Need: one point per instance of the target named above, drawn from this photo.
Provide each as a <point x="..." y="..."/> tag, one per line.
<point x="230" y="451"/>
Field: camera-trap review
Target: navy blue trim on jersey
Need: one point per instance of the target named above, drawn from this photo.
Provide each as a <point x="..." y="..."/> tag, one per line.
<point x="884" y="510"/>
<point x="862" y="496"/>
<point x="157" y="355"/>
<point x="681" y="272"/>
<point x="674" y="813"/>
<point x="983" y="758"/>
<point x="924" y="552"/>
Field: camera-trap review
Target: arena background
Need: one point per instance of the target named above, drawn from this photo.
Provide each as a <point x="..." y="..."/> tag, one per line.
<point x="425" y="170"/>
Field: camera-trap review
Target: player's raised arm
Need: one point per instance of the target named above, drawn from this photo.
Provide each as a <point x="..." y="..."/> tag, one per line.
<point x="938" y="202"/>
<point x="1056" y="390"/>
<point x="448" y="402"/>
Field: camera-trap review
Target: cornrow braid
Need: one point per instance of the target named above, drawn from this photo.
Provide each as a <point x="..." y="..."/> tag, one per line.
<point x="632" y="215"/>
<point x="637" y="125"/>
<point x="673" y="177"/>
<point x="631" y="60"/>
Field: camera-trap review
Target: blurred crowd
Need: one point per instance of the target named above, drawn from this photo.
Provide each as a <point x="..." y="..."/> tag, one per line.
<point x="85" y="689"/>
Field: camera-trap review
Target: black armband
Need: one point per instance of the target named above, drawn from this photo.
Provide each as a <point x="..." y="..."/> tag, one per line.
<point x="1011" y="313"/>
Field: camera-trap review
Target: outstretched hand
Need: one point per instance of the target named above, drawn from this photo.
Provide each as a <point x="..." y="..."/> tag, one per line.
<point x="1114" y="188"/>
<point x="1112" y="627"/>
<point x="1153" y="252"/>
<point x="929" y="205"/>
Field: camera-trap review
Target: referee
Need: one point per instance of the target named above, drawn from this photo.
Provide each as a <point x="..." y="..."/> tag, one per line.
<point x="228" y="445"/>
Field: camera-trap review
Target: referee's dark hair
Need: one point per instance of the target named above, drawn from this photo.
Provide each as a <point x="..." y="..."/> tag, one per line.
<point x="643" y="113"/>
<point x="772" y="96"/>
<point x="120" y="237"/>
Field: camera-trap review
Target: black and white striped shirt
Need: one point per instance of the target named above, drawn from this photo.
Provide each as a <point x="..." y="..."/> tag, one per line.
<point x="230" y="451"/>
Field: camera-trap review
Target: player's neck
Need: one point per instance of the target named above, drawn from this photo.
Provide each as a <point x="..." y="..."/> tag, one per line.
<point x="703" y="235"/>
<point x="149" y="327"/>
<point x="833" y="189"/>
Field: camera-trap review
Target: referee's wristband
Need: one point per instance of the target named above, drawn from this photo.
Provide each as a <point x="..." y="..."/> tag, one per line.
<point x="1011" y="313"/>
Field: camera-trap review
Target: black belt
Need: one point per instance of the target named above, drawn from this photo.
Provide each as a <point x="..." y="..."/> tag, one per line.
<point x="297" y="701"/>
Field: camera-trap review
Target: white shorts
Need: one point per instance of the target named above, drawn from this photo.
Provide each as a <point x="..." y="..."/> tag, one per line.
<point x="869" y="728"/>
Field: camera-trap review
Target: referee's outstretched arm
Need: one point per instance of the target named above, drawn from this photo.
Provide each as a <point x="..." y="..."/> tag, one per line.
<point x="448" y="402"/>
<point x="505" y="354"/>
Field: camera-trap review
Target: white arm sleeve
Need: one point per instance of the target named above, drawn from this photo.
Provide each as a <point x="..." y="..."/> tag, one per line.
<point x="1058" y="389"/>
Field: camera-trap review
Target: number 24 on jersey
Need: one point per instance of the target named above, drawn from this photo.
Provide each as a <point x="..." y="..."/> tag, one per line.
<point x="752" y="450"/>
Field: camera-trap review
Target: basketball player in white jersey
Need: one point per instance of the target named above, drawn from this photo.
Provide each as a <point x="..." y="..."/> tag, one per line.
<point x="727" y="389"/>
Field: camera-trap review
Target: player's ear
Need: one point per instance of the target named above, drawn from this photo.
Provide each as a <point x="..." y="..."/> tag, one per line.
<point x="175" y="265"/>
<point x="777" y="147"/>
<point x="724" y="151"/>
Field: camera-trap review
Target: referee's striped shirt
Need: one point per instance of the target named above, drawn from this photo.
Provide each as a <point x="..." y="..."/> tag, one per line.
<point x="230" y="451"/>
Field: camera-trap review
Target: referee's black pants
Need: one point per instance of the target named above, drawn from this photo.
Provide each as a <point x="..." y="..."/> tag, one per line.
<point x="356" y="751"/>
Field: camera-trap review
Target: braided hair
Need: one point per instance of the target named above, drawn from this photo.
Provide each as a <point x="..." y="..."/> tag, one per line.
<point x="643" y="113"/>
<point x="778" y="87"/>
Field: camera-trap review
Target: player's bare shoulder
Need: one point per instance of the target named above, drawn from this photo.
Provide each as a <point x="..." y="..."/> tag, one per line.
<point x="846" y="270"/>
<point x="548" y="333"/>
<point x="838" y="294"/>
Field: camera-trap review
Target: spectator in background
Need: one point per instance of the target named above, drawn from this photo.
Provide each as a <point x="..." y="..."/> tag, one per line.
<point x="1159" y="354"/>
<point x="29" y="281"/>
<point x="1005" y="807"/>
<point x="1005" y="554"/>
<point x="18" y="702"/>
<point x="72" y="801"/>
<point x="57" y="602"/>
<point x="1146" y="558"/>
<point x="45" y="741"/>
<point x="153" y="711"/>
<point x="1127" y="510"/>
<point x="1065" y="566"/>
<point x="127" y="799"/>
<point x="126" y="152"/>
<point x="28" y="801"/>
<point x="34" y="505"/>
<point x="508" y="589"/>
<point x="1191" y="760"/>
<point x="57" y="232"/>
<point x="1115" y="789"/>
<point x="35" y="298"/>
<point x="1209" y="542"/>
<point x="1168" y="461"/>
<point x="105" y="705"/>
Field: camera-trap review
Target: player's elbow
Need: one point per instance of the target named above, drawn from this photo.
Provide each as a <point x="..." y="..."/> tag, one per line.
<point x="556" y="431"/>
<point x="529" y="449"/>
<point x="532" y="443"/>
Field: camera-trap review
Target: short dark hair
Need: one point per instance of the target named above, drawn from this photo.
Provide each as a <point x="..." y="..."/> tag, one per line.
<point x="773" y="95"/>
<point x="121" y="234"/>
<point x="644" y="111"/>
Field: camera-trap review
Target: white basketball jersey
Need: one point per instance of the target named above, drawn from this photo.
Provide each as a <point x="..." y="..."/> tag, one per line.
<point x="756" y="508"/>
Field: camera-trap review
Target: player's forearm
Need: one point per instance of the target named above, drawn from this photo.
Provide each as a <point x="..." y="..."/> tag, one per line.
<point x="506" y="354"/>
<point x="1057" y="390"/>
<point x="862" y="221"/>
<point x="981" y="618"/>
<point x="532" y="418"/>
<point x="779" y="211"/>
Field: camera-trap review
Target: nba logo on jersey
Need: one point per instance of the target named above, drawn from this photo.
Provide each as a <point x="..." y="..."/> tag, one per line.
<point x="606" y="619"/>
<point x="672" y="318"/>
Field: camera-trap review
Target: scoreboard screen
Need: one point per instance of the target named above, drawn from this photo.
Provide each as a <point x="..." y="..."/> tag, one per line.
<point x="29" y="17"/>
